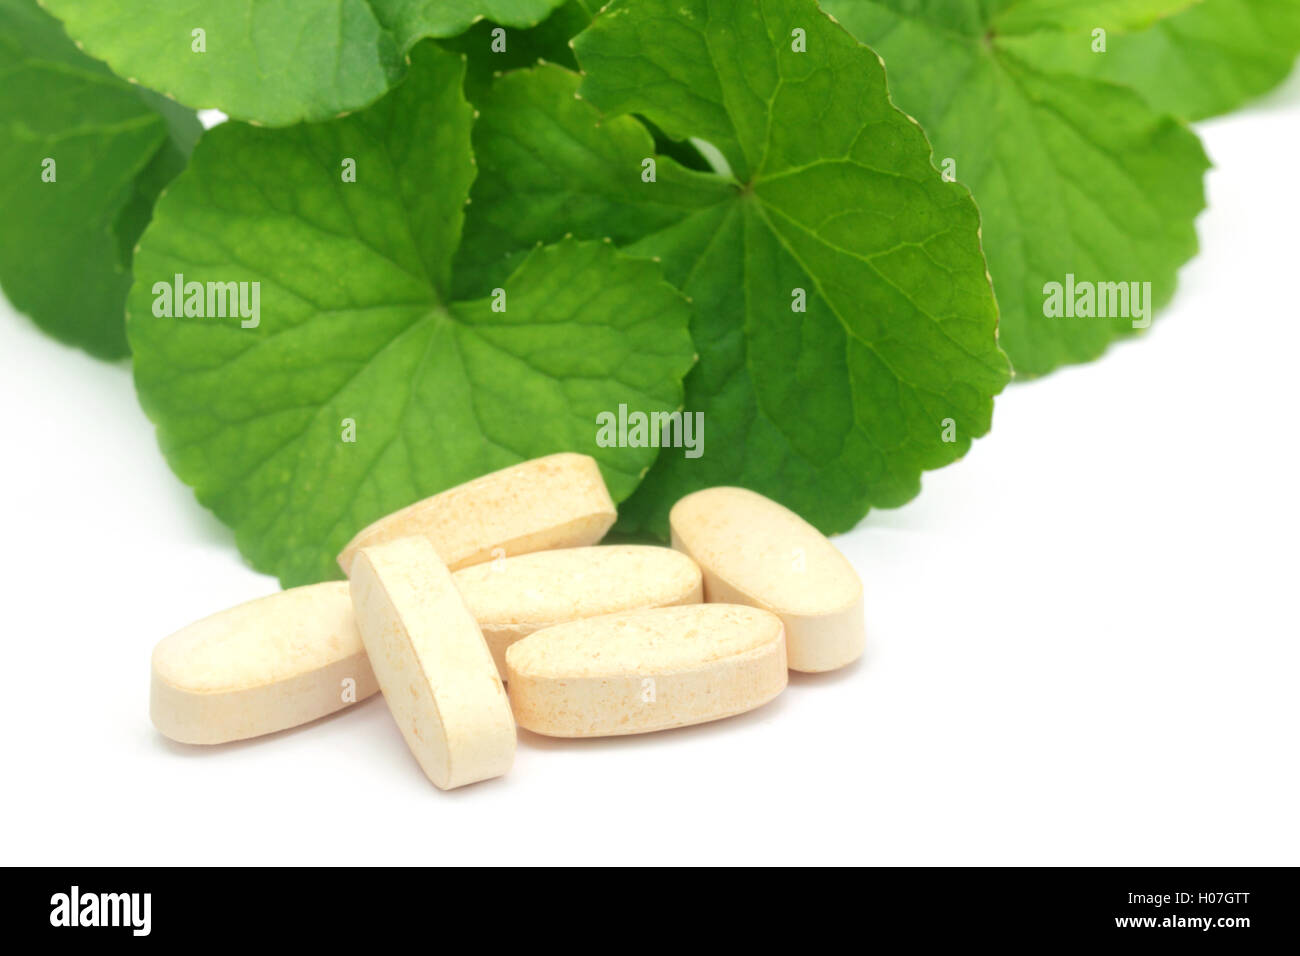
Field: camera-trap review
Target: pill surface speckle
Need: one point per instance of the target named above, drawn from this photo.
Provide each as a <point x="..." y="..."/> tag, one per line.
<point x="514" y="597"/>
<point x="432" y="664"/>
<point x="559" y="501"/>
<point x="755" y="551"/>
<point x="649" y="670"/>
<point x="260" y="667"/>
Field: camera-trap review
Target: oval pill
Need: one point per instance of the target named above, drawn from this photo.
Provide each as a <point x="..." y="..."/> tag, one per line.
<point x="514" y="597"/>
<point x="559" y="501"/>
<point x="260" y="667"/>
<point x="650" y="670"/>
<point x="757" y="552"/>
<point x="429" y="657"/>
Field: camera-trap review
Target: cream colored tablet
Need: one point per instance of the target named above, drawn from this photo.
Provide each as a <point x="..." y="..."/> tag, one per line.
<point x="754" y="551"/>
<point x="646" y="670"/>
<point x="260" y="667"/>
<point x="555" y="502"/>
<point x="435" y="671"/>
<point x="514" y="597"/>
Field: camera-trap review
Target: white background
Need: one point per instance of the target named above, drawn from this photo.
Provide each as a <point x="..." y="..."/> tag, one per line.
<point x="1083" y="637"/>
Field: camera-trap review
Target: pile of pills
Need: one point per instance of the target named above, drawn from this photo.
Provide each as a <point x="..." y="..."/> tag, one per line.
<point x="491" y="604"/>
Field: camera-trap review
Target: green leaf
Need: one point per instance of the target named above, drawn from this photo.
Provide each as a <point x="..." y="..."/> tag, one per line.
<point x="274" y="63"/>
<point x="1073" y="176"/>
<point x="1204" y="61"/>
<point x="831" y="190"/>
<point x="412" y="20"/>
<point x="65" y="251"/>
<point x="1030" y="16"/>
<point x="357" y="322"/>
<point x="548" y="166"/>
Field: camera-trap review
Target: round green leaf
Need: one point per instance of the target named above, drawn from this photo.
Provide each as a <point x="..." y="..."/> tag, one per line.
<point x="82" y="157"/>
<point x="359" y="337"/>
<point x="1074" y="177"/>
<point x="274" y="63"/>
<point x="845" y="324"/>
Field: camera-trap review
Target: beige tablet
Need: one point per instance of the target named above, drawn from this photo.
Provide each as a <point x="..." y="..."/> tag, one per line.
<point x="260" y="667"/>
<point x="555" y="502"/>
<point x="429" y="657"/>
<point x="646" y="670"/>
<point x="754" y="551"/>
